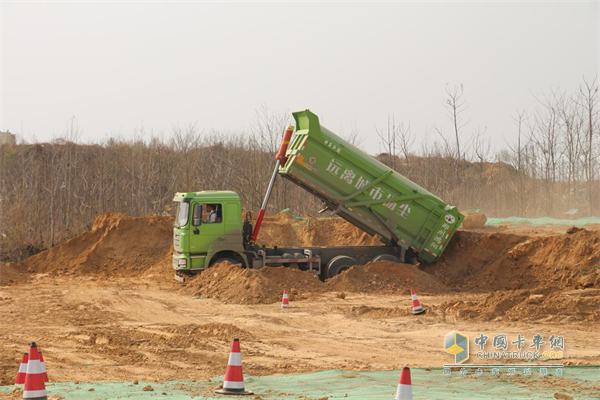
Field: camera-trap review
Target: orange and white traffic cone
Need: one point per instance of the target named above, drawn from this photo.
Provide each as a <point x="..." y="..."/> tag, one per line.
<point x="43" y="366"/>
<point x="34" y="381"/>
<point x="285" y="301"/>
<point x="416" y="304"/>
<point x="404" y="391"/>
<point x="233" y="383"/>
<point x="22" y="370"/>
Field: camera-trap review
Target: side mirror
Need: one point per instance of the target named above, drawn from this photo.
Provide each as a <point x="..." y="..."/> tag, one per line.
<point x="197" y="218"/>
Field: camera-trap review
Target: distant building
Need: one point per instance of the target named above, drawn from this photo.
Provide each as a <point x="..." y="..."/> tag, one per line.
<point x="7" y="138"/>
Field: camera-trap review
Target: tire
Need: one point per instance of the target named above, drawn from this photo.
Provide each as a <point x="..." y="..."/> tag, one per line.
<point x="339" y="264"/>
<point x="387" y="257"/>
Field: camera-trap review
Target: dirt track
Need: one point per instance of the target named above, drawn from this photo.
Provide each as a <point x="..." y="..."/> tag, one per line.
<point x="99" y="316"/>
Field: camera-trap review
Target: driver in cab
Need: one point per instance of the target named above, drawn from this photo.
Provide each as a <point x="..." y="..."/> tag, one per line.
<point x="212" y="214"/>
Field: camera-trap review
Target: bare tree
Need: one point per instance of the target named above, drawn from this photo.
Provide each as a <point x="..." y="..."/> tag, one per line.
<point x="388" y="141"/>
<point x="456" y="105"/>
<point x="588" y="100"/>
<point x="406" y="140"/>
<point x="518" y="151"/>
<point x="353" y="136"/>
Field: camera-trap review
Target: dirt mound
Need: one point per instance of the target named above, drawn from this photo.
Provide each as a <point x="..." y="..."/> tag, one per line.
<point x="474" y="219"/>
<point x="118" y="245"/>
<point x="232" y="284"/>
<point x="334" y="232"/>
<point x="380" y="312"/>
<point x="283" y="229"/>
<point x="386" y="277"/>
<point x="500" y="261"/>
<point x="529" y="305"/>
<point x="11" y="273"/>
<point x="214" y="330"/>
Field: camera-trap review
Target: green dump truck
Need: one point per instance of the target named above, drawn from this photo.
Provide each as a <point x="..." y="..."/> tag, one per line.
<point x="411" y="222"/>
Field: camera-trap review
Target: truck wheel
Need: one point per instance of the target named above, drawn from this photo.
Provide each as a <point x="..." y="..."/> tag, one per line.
<point x="386" y="257"/>
<point x="339" y="264"/>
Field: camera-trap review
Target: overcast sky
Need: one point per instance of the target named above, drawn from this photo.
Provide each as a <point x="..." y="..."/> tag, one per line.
<point x="118" y="66"/>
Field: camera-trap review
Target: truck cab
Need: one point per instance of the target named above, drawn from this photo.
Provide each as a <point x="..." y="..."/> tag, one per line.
<point x="207" y="229"/>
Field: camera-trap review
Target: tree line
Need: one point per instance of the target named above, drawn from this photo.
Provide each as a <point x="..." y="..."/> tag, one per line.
<point x="50" y="192"/>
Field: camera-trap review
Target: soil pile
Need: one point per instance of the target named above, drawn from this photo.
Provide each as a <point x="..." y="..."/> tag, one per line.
<point x="500" y="261"/>
<point x="529" y="305"/>
<point x="283" y="229"/>
<point x="553" y="278"/>
<point x="11" y="273"/>
<point x="474" y="219"/>
<point x="118" y="245"/>
<point x="386" y="277"/>
<point x="334" y="232"/>
<point x="232" y="284"/>
<point x="122" y="246"/>
<point x="379" y="312"/>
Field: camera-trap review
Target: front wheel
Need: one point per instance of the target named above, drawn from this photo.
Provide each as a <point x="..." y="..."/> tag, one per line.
<point x="339" y="264"/>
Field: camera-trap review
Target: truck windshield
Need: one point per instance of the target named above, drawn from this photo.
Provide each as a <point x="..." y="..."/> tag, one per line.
<point x="181" y="218"/>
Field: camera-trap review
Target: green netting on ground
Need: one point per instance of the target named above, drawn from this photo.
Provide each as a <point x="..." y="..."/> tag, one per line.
<point x="544" y="221"/>
<point x="578" y="382"/>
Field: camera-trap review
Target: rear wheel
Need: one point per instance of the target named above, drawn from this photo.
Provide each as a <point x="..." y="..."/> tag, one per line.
<point x="387" y="257"/>
<point x="339" y="264"/>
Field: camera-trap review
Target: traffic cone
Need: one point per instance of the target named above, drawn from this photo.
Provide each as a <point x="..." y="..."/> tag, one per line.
<point x="233" y="383"/>
<point x="34" y="381"/>
<point x="43" y="366"/>
<point x="404" y="391"/>
<point x="285" y="302"/>
<point x="22" y="370"/>
<point x="416" y="304"/>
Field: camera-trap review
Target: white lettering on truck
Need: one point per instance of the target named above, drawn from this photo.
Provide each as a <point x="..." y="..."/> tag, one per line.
<point x="376" y="192"/>
<point x="334" y="167"/>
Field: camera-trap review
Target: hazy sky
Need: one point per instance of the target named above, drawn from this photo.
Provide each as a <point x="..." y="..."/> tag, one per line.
<point x="118" y="66"/>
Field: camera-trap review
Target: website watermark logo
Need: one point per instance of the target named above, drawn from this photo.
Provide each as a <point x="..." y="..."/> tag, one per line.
<point x="457" y="344"/>
<point x="502" y="351"/>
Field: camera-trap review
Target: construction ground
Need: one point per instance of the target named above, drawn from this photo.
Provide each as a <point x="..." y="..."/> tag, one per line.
<point x="110" y="318"/>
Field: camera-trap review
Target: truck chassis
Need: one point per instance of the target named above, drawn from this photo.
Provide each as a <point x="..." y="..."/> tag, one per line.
<point x="323" y="260"/>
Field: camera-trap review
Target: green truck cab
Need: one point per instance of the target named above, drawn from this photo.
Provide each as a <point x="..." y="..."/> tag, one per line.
<point x="207" y="228"/>
<point x="411" y="222"/>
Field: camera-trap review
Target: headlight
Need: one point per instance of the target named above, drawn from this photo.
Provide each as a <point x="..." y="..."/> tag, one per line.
<point x="182" y="262"/>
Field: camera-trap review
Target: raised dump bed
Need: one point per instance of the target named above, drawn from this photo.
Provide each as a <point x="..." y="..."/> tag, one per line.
<point x="367" y="193"/>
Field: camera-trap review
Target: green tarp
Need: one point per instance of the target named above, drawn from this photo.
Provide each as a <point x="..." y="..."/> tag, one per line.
<point x="544" y="221"/>
<point x="578" y="382"/>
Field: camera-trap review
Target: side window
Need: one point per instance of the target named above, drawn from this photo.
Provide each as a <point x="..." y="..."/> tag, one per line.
<point x="212" y="214"/>
<point x="197" y="214"/>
